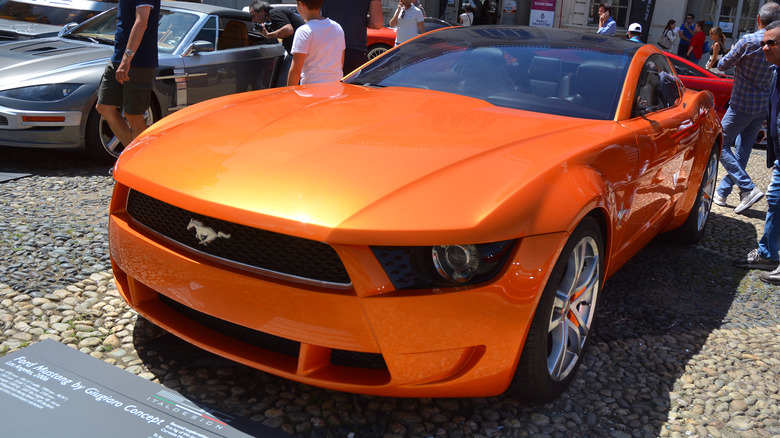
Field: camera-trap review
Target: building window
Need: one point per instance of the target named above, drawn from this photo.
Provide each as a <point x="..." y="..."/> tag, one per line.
<point x="620" y="10"/>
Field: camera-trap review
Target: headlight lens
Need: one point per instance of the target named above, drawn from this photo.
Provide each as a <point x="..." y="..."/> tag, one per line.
<point x="417" y="267"/>
<point x="41" y="93"/>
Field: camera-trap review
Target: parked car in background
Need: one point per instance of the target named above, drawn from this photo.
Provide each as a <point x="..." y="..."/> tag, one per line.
<point x="48" y="87"/>
<point x="27" y="19"/>
<point x="382" y="40"/>
<point x="698" y="78"/>
<point x="305" y="233"/>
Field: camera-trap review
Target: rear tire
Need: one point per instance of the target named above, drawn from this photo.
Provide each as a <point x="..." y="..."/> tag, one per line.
<point x="692" y="230"/>
<point x="563" y="320"/>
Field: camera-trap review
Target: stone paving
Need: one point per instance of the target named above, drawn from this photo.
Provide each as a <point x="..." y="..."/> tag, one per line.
<point x="685" y="344"/>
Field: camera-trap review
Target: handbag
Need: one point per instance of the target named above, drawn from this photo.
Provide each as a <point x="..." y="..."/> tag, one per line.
<point x="665" y="42"/>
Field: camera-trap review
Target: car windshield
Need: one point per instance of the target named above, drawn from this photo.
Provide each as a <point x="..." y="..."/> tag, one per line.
<point x="43" y="13"/>
<point x="509" y="67"/>
<point x="173" y="27"/>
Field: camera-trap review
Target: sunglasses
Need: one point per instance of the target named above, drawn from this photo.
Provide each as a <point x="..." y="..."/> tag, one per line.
<point x="403" y="13"/>
<point x="768" y="43"/>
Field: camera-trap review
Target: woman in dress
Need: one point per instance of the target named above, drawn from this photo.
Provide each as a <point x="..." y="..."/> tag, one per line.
<point x="718" y="48"/>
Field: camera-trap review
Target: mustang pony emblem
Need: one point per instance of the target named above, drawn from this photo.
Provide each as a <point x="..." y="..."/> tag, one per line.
<point x="205" y="234"/>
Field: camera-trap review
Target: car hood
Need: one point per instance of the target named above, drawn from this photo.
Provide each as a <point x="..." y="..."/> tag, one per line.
<point x="333" y="161"/>
<point x="36" y="61"/>
<point x="18" y="29"/>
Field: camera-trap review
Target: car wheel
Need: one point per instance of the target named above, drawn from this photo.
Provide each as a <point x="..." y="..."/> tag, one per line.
<point x="102" y="144"/>
<point x="563" y="320"/>
<point x="377" y="49"/>
<point x="692" y="230"/>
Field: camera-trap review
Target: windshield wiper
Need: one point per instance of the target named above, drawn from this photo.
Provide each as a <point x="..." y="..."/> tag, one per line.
<point x="96" y="40"/>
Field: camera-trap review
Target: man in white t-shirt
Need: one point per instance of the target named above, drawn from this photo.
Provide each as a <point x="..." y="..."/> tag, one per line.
<point x="317" y="48"/>
<point x="408" y="21"/>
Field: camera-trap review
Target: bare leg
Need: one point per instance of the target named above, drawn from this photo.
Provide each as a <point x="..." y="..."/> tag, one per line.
<point x="137" y="125"/>
<point x="117" y="122"/>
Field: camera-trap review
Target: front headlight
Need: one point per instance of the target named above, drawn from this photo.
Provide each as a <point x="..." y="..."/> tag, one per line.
<point x="417" y="267"/>
<point x="41" y="93"/>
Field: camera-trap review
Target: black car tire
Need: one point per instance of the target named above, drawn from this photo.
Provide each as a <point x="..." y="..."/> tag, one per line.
<point x="377" y="49"/>
<point x="550" y="359"/>
<point x="99" y="136"/>
<point x="692" y="230"/>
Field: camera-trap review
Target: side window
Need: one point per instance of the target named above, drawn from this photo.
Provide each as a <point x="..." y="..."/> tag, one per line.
<point x="209" y="31"/>
<point x="233" y="33"/>
<point x="657" y="87"/>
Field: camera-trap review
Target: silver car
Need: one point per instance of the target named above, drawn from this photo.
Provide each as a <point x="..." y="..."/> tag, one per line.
<point x="27" y="19"/>
<point x="48" y="86"/>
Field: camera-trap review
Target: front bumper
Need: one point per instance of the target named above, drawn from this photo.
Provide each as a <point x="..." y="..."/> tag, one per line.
<point x="40" y="129"/>
<point x="367" y="338"/>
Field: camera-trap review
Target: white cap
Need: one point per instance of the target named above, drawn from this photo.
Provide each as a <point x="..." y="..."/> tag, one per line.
<point x="635" y="27"/>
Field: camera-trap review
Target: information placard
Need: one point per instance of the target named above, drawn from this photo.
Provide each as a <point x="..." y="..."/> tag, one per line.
<point x="49" y="389"/>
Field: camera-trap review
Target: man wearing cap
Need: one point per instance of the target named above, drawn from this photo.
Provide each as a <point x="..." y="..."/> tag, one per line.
<point x="635" y="33"/>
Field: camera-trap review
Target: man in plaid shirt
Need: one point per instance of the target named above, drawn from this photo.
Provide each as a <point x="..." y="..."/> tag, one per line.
<point x="747" y="110"/>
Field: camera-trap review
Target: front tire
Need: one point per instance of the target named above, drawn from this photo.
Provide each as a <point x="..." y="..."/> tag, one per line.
<point x="563" y="320"/>
<point x="692" y="230"/>
<point x="101" y="143"/>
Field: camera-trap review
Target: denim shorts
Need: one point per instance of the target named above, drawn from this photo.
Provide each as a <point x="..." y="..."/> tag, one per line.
<point x="133" y="96"/>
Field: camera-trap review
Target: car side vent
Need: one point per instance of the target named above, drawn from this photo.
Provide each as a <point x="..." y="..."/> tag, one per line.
<point x="289" y="257"/>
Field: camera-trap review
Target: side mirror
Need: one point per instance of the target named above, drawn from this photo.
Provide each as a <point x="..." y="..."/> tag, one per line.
<point x="197" y="47"/>
<point x="67" y="28"/>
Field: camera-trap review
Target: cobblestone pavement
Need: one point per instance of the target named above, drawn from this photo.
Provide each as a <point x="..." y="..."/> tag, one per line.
<point x="685" y="344"/>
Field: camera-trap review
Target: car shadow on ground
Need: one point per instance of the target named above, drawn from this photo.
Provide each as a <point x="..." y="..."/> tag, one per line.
<point x="655" y="314"/>
<point x="49" y="162"/>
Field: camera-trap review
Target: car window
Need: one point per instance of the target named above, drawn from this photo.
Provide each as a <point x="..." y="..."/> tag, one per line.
<point x="684" y="69"/>
<point x="209" y="31"/>
<point x="552" y="79"/>
<point x="172" y="28"/>
<point x="657" y="88"/>
<point x="233" y="33"/>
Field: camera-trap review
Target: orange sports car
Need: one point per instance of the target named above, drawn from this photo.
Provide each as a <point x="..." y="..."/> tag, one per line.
<point x="437" y="224"/>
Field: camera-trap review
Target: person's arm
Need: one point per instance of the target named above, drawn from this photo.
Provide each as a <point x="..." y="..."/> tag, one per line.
<point x="421" y="26"/>
<point x="294" y="76"/>
<point x="281" y="33"/>
<point x="394" y="20"/>
<point x="133" y="42"/>
<point x="732" y="57"/>
<point x="375" y="18"/>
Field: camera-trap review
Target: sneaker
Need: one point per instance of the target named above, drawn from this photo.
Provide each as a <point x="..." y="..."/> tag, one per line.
<point x="746" y="199"/>
<point x="718" y="200"/>
<point x="771" y="277"/>
<point x="754" y="261"/>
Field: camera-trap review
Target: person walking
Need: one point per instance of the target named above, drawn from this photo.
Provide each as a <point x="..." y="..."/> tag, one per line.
<point x="718" y="47"/>
<point x="351" y="16"/>
<point x="765" y="257"/>
<point x="607" y="25"/>
<point x="747" y="110"/>
<point x="667" y="36"/>
<point x="408" y="21"/>
<point x="696" y="46"/>
<point x="127" y="80"/>
<point x="685" y="33"/>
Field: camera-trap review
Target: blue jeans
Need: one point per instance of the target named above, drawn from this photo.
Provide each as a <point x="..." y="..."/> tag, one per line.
<point x="746" y="127"/>
<point x="769" y="245"/>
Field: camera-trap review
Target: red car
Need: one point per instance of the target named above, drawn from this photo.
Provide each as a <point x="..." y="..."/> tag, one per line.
<point x="382" y="40"/>
<point x="698" y="78"/>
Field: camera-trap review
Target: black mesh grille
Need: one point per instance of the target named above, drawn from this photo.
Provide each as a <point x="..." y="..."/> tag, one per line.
<point x="248" y="246"/>
<point x="344" y="358"/>
<point x="3" y="121"/>
<point x="253" y="337"/>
